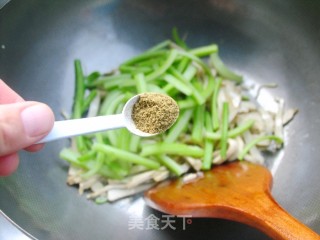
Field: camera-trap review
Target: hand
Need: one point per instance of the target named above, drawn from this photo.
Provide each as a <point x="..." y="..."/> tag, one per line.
<point x="22" y="123"/>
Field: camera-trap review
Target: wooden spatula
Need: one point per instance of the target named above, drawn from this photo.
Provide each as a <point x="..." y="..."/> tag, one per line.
<point x="238" y="191"/>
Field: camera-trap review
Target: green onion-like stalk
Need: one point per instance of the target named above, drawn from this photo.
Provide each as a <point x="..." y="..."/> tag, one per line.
<point x="125" y="156"/>
<point x="224" y="130"/>
<point x="247" y="148"/>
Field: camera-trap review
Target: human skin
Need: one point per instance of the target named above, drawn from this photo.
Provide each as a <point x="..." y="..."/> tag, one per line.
<point x="22" y="124"/>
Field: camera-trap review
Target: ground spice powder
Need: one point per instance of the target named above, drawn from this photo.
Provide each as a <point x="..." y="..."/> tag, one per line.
<point x="154" y="112"/>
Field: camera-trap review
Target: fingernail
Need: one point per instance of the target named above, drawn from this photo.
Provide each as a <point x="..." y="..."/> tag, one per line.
<point x="37" y="120"/>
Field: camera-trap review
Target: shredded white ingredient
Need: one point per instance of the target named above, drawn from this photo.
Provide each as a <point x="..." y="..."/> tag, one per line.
<point x="266" y="122"/>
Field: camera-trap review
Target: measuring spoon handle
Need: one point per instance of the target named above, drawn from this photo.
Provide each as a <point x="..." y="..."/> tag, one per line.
<point x="75" y="127"/>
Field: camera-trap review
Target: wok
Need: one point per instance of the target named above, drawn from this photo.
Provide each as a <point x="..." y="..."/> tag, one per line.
<point x="266" y="41"/>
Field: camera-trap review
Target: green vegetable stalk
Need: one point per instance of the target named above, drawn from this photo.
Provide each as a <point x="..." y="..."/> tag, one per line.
<point x="191" y="76"/>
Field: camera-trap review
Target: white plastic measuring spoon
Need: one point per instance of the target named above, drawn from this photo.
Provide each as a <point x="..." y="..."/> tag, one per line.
<point x="74" y="127"/>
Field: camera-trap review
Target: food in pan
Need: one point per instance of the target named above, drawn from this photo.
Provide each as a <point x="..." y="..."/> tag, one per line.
<point x="220" y="120"/>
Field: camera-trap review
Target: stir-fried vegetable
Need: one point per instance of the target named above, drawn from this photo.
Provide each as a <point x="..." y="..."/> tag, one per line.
<point x="218" y="122"/>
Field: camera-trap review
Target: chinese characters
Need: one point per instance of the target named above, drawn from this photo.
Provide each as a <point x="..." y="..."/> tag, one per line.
<point x="153" y="222"/>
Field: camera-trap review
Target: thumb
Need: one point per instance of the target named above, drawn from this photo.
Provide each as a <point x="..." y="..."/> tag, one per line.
<point x="23" y="124"/>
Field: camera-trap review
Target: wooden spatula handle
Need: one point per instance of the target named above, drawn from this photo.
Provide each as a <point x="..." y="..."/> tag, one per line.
<point x="264" y="213"/>
<point x="237" y="191"/>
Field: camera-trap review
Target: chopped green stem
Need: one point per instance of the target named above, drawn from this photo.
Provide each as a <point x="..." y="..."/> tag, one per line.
<point x="101" y="200"/>
<point x="182" y="87"/>
<point x="187" y="103"/>
<point x="208" y="145"/>
<point x="222" y="69"/>
<point x="87" y="143"/>
<point x="88" y="100"/>
<point x="134" y="143"/>
<point x="209" y="88"/>
<point x="224" y="130"/>
<point x="114" y="104"/>
<point x="98" y="161"/>
<point x="79" y="90"/>
<point x="140" y="83"/>
<point x="144" y="56"/>
<point x="247" y="148"/>
<point x="119" y="84"/>
<point x="245" y="98"/>
<point x="169" y="89"/>
<point x="125" y="156"/>
<point x="152" y="62"/>
<point x="177" y="39"/>
<point x="112" y="134"/>
<point x="171" y="164"/>
<point x="155" y="88"/>
<point x="183" y="64"/>
<point x="198" y="96"/>
<point x="92" y="77"/>
<point x="136" y="70"/>
<point x="204" y="51"/>
<point x="214" y="104"/>
<point x="179" y="149"/>
<point x="99" y="137"/>
<point x="113" y="170"/>
<point x="111" y="80"/>
<point x="197" y="85"/>
<point x="96" y="167"/>
<point x="79" y="100"/>
<point x="179" y="126"/>
<point x="198" y="123"/>
<point x="169" y="61"/>
<point x="72" y="157"/>
<point x="177" y="74"/>
<point x="69" y="155"/>
<point x="232" y="133"/>
<point x="197" y="60"/>
<point x="190" y="72"/>
<point x="160" y="46"/>
<point x="87" y="156"/>
<point x="107" y="101"/>
<point x="241" y="129"/>
<point x="123" y="138"/>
